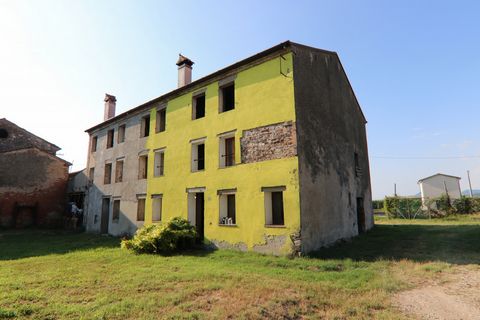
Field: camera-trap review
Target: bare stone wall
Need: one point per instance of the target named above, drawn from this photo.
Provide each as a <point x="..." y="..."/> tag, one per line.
<point x="275" y="141"/>
<point x="32" y="178"/>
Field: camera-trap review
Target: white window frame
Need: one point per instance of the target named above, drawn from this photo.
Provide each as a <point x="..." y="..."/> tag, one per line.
<point x="158" y="171"/>
<point x="157" y="207"/>
<point x="268" y="204"/>
<point x="223" y="206"/>
<point x="221" y="149"/>
<point x="194" y="154"/>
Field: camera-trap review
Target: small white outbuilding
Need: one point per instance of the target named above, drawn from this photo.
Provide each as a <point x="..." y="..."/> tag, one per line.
<point x="440" y="184"/>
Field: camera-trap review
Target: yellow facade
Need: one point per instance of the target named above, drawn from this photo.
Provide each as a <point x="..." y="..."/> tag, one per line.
<point x="264" y="94"/>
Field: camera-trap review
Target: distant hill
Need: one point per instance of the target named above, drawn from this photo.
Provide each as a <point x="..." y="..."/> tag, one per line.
<point x="476" y="192"/>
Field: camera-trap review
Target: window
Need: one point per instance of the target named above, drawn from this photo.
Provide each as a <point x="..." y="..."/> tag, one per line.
<point x="110" y="138"/>
<point x="140" y="209"/>
<point x="274" y="214"/>
<point x="107" y="178"/>
<point x="119" y="171"/>
<point x="227" y="207"/>
<point x="227" y="97"/>
<point x="142" y="167"/>
<point x="157" y="207"/>
<point x="145" y="127"/>
<point x="94" y="144"/>
<point x="161" y="120"/>
<point x="198" y="155"/>
<point x="121" y="133"/>
<point x="116" y="211"/>
<point x="358" y="169"/>
<point x="159" y="162"/>
<point x="3" y="133"/>
<point x="91" y="174"/>
<point x="227" y="150"/>
<point x="198" y="106"/>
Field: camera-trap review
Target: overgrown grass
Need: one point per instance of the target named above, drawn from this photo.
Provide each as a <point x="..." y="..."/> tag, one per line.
<point x="57" y="275"/>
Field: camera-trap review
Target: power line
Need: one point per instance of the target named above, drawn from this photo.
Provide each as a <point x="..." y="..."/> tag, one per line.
<point x="426" y="158"/>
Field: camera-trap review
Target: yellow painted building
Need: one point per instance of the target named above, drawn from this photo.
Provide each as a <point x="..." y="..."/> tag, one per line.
<point x="242" y="154"/>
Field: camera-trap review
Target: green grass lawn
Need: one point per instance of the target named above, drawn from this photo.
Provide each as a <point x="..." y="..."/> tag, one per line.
<point x="59" y="275"/>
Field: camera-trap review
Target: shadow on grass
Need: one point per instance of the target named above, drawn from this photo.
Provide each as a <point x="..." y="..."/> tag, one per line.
<point x="456" y="244"/>
<point x="18" y="244"/>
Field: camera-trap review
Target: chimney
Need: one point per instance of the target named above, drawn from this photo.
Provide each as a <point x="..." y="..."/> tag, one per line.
<point x="184" y="70"/>
<point x="110" y="102"/>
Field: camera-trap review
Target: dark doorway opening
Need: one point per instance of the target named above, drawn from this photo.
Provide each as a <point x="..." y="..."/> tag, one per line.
<point x="360" y="216"/>
<point x="25" y="215"/>
<point x="200" y="216"/>
<point x="105" y="215"/>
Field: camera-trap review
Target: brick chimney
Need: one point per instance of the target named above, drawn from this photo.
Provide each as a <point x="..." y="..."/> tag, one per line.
<point x="110" y="102"/>
<point x="184" y="70"/>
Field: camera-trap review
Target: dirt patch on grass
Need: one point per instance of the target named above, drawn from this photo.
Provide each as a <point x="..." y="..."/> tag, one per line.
<point x="455" y="295"/>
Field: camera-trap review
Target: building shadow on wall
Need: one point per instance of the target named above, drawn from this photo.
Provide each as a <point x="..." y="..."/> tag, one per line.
<point x="455" y="244"/>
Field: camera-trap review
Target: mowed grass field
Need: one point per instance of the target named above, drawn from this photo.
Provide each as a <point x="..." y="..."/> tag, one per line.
<point x="60" y="275"/>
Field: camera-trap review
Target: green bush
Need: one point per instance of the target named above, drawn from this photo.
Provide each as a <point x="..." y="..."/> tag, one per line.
<point x="377" y="204"/>
<point x="462" y="205"/>
<point x="475" y="203"/>
<point x="400" y="207"/>
<point x="175" y="235"/>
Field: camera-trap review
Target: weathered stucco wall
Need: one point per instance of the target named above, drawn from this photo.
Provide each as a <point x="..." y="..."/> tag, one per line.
<point x="125" y="191"/>
<point x="31" y="177"/>
<point x="330" y="130"/>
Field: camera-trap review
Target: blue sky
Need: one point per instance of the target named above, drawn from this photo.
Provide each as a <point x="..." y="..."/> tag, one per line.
<point x="414" y="66"/>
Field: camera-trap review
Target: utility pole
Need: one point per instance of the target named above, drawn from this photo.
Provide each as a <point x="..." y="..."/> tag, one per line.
<point x="469" y="183"/>
<point x="394" y="189"/>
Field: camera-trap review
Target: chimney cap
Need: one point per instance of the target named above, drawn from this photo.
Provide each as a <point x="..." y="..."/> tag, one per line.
<point x="184" y="60"/>
<point x="109" y="97"/>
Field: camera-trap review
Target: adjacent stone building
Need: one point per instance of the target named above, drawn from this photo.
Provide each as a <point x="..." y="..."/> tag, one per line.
<point x="268" y="154"/>
<point x="33" y="179"/>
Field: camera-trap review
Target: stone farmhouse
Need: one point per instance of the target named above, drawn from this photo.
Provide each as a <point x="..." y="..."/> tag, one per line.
<point x="33" y="180"/>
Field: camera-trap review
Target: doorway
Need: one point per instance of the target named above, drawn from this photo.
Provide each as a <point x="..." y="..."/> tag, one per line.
<point x="360" y="216"/>
<point x="105" y="215"/>
<point x="200" y="216"/>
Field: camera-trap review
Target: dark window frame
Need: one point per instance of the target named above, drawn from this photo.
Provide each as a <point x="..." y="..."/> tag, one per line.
<point x="116" y="210"/>
<point x="141" y="204"/>
<point x="145" y="126"/>
<point x="94" y="144"/>
<point x="161" y="120"/>
<point x="110" y="135"/>
<point x="123" y="130"/>
<point x="142" y="174"/>
<point x="227" y="97"/>
<point x="119" y="173"/>
<point x="199" y="109"/>
<point x="107" y="178"/>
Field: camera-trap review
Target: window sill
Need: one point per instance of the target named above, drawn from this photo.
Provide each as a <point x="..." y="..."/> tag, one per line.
<point x="280" y="226"/>
<point x="203" y="170"/>
<point x="228" y="225"/>
<point x="159" y="176"/>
